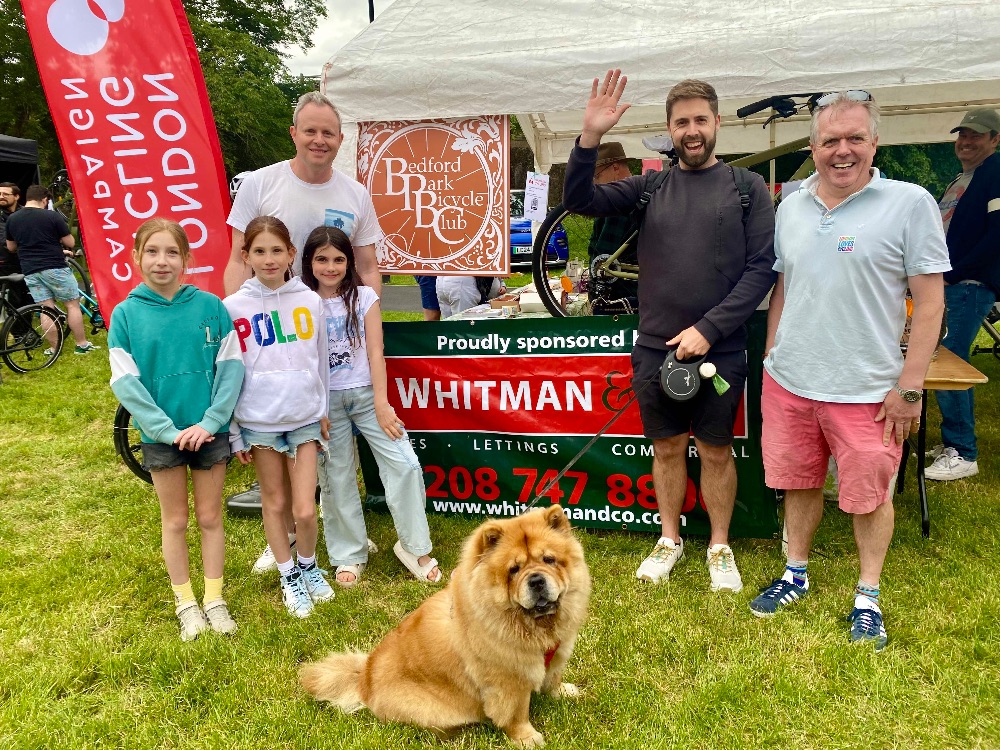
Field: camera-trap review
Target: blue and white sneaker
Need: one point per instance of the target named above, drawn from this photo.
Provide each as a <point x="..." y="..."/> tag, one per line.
<point x="776" y="596"/>
<point x="866" y="625"/>
<point x="316" y="584"/>
<point x="296" y="595"/>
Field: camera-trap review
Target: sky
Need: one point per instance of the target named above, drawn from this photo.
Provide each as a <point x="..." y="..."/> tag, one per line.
<point x="344" y="20"/>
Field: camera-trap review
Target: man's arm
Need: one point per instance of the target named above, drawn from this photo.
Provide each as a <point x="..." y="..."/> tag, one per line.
<point x="367" y="263"/>
<point x="236" y="270"/>
<point x="927" y="291"/>
<point x="11" y="246"/>
<point x="68" y="241"/>
<point x="603" y="111"/>
<point x="774" y="310"/>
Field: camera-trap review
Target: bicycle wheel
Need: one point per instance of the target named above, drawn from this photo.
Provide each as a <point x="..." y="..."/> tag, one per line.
<point x="604" y="286"/>
<point x="82" y="279"/>
<point x="24" y="342"/>
<point x="563" y="235"/>
<point x="128" y="444"/>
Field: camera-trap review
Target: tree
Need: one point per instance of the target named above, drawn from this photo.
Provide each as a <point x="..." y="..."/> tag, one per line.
<point x="240" y="47"/>
<point x="24" y="113"/>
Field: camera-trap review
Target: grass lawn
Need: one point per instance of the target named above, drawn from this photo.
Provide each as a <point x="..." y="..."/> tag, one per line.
<point x="90" y="655"/>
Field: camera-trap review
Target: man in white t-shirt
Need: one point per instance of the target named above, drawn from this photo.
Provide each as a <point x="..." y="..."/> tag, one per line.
<point x="847" y="244"/>
<point x="306" y="192"/>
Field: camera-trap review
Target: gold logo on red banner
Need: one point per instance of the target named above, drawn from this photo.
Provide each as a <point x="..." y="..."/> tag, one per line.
<point x="439" y="189"/>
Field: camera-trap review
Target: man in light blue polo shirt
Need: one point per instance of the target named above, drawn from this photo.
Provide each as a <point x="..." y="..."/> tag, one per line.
<point x="847" y="245"/>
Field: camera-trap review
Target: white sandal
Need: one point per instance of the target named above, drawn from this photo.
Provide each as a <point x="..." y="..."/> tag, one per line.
<point x="420" y="572"/>
<point x="356" y="570"/>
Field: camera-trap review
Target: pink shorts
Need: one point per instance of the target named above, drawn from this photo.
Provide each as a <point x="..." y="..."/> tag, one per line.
<point x="800" y="434"/>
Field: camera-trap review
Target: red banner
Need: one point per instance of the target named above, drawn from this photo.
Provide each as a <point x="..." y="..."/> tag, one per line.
<point x="129" y="103"/>
<point x="533" y="395"/>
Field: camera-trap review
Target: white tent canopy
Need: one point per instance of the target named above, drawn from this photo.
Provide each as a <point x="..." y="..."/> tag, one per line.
<point x="925" y="61"/>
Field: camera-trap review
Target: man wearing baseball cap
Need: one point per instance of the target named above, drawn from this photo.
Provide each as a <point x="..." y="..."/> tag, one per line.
<point x="970" y="210"/>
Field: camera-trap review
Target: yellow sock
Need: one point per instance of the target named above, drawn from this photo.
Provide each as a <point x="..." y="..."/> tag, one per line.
<point x="183" y="594"/>
<point x="213" y="590"/>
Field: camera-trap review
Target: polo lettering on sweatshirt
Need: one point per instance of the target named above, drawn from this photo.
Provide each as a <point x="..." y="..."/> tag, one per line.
<point x="267" y="328"/>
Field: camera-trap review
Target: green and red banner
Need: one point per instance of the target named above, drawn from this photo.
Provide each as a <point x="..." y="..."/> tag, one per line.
<point x="496" y="408"/>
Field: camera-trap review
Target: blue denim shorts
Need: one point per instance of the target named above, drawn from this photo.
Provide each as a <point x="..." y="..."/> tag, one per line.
<point x="59" y="283"/>
<point x="428" y="292"/>
<point x="284" y="442"/>
<point x="157" y="456"/>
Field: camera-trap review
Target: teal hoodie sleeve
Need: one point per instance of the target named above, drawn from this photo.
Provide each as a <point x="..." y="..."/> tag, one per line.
<point x="129" y="390"/>
<point x="228" y="380"/>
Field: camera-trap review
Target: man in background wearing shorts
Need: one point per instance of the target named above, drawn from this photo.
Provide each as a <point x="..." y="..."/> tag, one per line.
<point x="847" y="245"/>
<point x="38" y="236"/>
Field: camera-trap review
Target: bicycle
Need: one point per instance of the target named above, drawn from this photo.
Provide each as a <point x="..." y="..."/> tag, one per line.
<point x="597" y="291"/>
<point x="989" y="326"/>
<point x="128" y="444"/>
<point x="31" y="337"/>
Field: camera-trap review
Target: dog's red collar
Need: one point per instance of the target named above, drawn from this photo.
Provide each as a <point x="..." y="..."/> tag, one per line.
<point x="550" y="654"/>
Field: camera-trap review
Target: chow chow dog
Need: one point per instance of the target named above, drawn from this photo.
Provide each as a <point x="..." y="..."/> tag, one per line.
<point x="504" y="627"/>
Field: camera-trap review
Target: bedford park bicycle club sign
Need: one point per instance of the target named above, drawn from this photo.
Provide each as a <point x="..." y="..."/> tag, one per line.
<point x="440" y="192"/>
<point x="496" y="408"/>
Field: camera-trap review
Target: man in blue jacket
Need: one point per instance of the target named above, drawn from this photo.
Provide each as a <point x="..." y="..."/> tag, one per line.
<point x="970" y="210"/>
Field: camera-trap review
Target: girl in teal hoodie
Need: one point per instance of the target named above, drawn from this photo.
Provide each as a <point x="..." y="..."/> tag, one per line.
<point x="176" y="366"/>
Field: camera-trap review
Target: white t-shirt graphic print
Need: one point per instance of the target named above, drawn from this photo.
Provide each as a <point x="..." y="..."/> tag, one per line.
<point x="349" y="366"/>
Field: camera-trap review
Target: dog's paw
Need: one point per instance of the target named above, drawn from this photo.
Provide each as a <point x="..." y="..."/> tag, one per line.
<point x="566" y="690"/>
<point x="533" y="739"/>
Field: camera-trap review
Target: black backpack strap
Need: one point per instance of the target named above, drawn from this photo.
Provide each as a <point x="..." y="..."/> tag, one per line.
<point x="744" y="185"/>
<point x="652" y="180"/>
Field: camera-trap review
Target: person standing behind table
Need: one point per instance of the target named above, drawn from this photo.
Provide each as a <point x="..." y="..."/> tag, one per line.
<point x="458" y="293"/>
<point x="9" y="264"/>
<point x="970" y="210"/>
<point x="703" y="275"/>
<point x="848" y="243"/>
<point x="304" y="192"/>
<point x="611" y="231"/>
<point x="38" y="236"/>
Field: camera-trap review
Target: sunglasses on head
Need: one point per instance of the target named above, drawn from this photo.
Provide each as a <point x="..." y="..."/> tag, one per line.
<point x="854" y="95"/>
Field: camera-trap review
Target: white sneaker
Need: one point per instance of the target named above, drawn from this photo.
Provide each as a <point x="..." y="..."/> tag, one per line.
<point x="722" y="568"/>
<point x="266" y="562"/>
<point x="316" y="584"/>
<point x="949" y="465"/>
<point x="295" y="594"/>
<point x="661" y="561"/>
<point x="192" y="620"/>
<point x="217" y="614"/>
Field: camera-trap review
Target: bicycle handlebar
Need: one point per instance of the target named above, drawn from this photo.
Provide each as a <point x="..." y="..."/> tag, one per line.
<point x="769" y="102"/>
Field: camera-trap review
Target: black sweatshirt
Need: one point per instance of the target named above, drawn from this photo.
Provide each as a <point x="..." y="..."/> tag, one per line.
<point x="698" y="268"/>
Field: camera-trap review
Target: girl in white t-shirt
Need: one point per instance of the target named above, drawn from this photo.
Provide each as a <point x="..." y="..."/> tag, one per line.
<point x="358" y="397"/>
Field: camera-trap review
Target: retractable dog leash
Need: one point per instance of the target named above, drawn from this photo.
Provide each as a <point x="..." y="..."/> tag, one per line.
<point x="680" y="381"/>
<point x="605" y="428"/>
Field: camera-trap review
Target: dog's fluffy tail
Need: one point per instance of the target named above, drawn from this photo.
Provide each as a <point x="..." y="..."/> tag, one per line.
<point x="336" y="679"/>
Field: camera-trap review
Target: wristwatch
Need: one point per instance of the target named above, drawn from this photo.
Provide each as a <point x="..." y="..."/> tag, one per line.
<point x="909" y="396"/>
